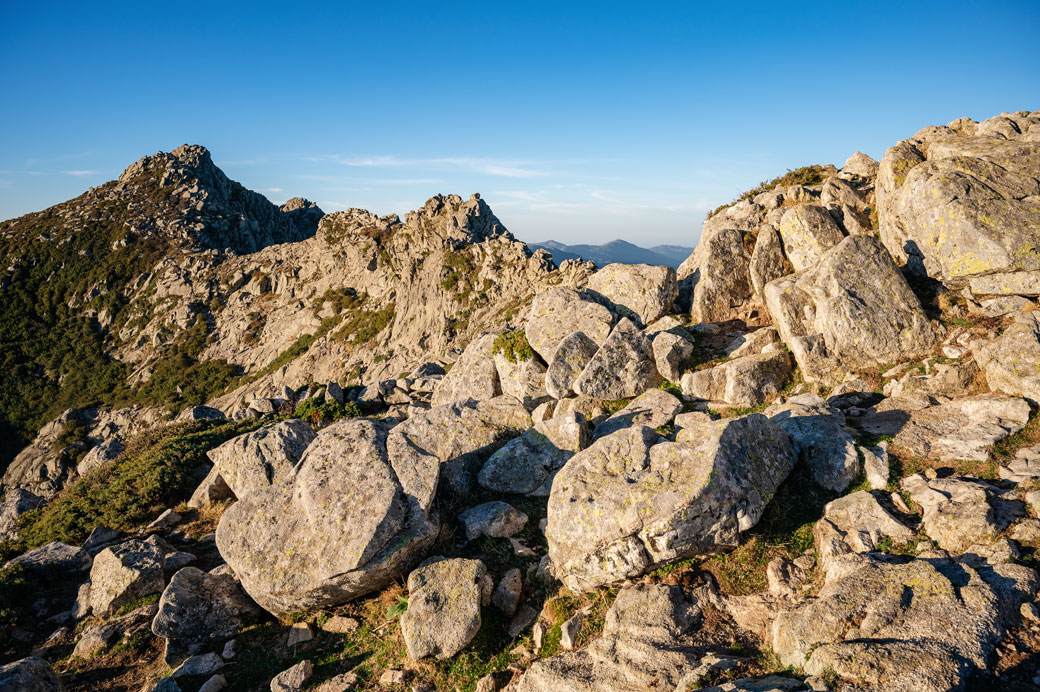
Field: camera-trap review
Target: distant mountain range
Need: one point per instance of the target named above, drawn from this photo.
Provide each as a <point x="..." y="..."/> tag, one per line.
<point x="616" y="251"/>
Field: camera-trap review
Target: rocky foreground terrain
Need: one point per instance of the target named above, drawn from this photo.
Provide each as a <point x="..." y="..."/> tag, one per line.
<point x="261" y="448"/>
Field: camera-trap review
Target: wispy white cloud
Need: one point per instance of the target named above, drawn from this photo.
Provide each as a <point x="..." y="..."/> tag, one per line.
<point x="272" y="189"/>
<point x="85" y="172"/>
<point x="494" y="167"/>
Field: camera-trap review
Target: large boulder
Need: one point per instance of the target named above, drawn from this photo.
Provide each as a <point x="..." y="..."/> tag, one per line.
<point x="29" y="675"/>
<point x="962" y="512"/>
<point x="17" y="503"/>
<point x="461" y="436"/>
<point x="820" y="439"/>
<point x="444" y="600"/>
<point x="959" y="429"/>
<point x="198" y="608"/>
<point x="256" y="460"/>
<point x="647" y="643"/>
<point x="808" y="231"/>
<point x="624" y="365"/>
<point x="125" y="573"/>
<point x="653" y="408"/>
<point x="287" y="544"/>
<point x="955" y="204"/>
<point x="718" y="272"/>
<point x="646" y="290"/>
<point x="673" y="351"/>
<point x="561" y="311"/>
<point x="630" y="501"/>
<point x="768" y="261"/>
<point x="521" y="378"/>
<point x="742" y="382"/>
<point x="852" y="311"/>
<point x="918" y="626"/>
<point x="473" y="376"/>
<point x="571" y="356"/>
<point x="527" y="464"/>
<point x="54" y="559"/>
<point x="855" y="523"/>
<point x="1012" y="360"/>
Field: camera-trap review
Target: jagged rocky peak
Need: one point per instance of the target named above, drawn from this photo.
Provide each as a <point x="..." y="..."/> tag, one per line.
<point x="215" y="211"/>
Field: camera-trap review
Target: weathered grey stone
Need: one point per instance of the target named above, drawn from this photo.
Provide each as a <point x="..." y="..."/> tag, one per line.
<point x="444" y="599"/>
<point x="647" y="643"/>
<point x="29" y="675"/>
<point x="17" y="503"/>
<point x="198" y="608"/>
<point x="199" y="413"/>
<point x="1024" y="283"/>
<point x="630" y="502"/>
<point x="820" y="440"/>
<point x="653" y="408"/>
<point x="99" y="455"/>
<point x="1024" y="467"/>
<point x="203" y="664"/>
<point x="169" y="517"/>
<point x="474" y="375"/>
<point x="286" y="542"/>
<point x="875" y="466"/>
<point x="743" y="382"/>
<point x="623" y="367"/>
<point x="808" y="231"/>
<point x="506" y="596"/>
<point x="853" y="311"/>
<point x="211" y="490"/>
<point x="958" y="206"/>
<point x="561" y="311"/>
<point x="496" y="519"/>
<point x="752" y="343"/>
<point x="719" y="272"/>
<point x="946" y="379"/>
<point x="571" y="356"/>
<point x="299" y="633"/>
<point x="671" y="354"/>
<point x="855" y="524"/>
<point x="646" y="290"/>
<point x="125" y="573"/>
<point x="918" y="626"/>
<point x="768" y="261"/>
<point x="54" y="559"/>
<point x="860" y="165"/>
<point x="1012" y="360"/>
<point x="461" y="435"/>
<point x="527" y="463"/>
<point x="962" y="512"/>
<point x="293" y="679"/>
<point x="524" y="380"/>
<point x="959" y="429"/>
<point x="258" y="459"/>
<point x="94" y="639"/>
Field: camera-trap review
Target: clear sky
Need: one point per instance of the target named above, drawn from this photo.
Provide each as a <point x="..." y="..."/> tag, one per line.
<point x="580" y="122"/>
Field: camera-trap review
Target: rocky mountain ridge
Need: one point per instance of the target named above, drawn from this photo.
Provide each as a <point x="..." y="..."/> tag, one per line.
<point x="809" y="459"/>
<point x="616" y="251"/>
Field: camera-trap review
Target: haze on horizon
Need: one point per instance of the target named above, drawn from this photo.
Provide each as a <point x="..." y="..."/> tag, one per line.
<point x="578" y="123"/>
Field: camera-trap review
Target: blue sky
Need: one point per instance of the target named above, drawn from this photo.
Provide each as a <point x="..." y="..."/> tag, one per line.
<point x="580" y="122"/>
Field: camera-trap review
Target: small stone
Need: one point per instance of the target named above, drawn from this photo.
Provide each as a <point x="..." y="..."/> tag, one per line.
<point x="495" y="519"/>
<point x="393" y="676"/>
<point x="899" y="503"/>
<point x="340" y="683"/>
<point x="174" y="561"/>
<point x="339" y="624"/>
<point x="293" y="679"/>
<point x="165" y="520"/>
<point x="1030" y="612"/>
<point x="203" y="664"/>
<point x="537" y="634"/>
<point x="875" y="466"/>
<point x="229" y="651"/>
<point x="300" y="633"/>
<point x="485" y="684"/>
<point x="569" y="630"/>
<point x="214" y="684"/>
<point x="94" y="639"/>
<point x="521" y="550"/>
<point x="507" y="594"/>
<point x="522" y="620"/>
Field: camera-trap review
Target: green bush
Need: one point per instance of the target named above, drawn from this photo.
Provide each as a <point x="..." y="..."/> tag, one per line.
<point x="157" y="471"/>
<point x="513" y="346"/>
<point x="806" y="175"/>
<point x="16" y="593"/>
<point x="319" y="414"/>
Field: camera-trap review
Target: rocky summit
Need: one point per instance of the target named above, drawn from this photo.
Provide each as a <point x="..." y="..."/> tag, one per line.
<point x="259" y="447"/>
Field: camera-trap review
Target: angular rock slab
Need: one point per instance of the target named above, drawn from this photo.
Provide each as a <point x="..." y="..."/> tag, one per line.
<point x="1012" y="360"/>
<point x="54" y="559"/>
<point x="653" y="408"/>
<point x="18" y="502"/>
<point x="288" y="543"/>
<point x="124" y="573"/>
<point x="768" y="261"/>
<point x="631" y="502"/>
<point x="524" y="380"/>
<point x="962" y="512"/>
<point x="672" y="351"/>
<point x="743" y="382"/>
<point x="461" y="435"/>
<point x="718" y="271"/>
<point x="473" y="376"/>
<point x="623" y="366"/>
<point x="920" y="626"/>
<point x="495" y="519"/>
<point x="855" y="523"/>
<point x="444" y="599"/>
<point x="527" y="463"/>
<point x="644" y="289"/>
<point x="256" y="460"/>
<point x="561" y="311"/>
<point x="852" y="311"/>
<point x="29" y="675"/>
<point x="197" y="608"/>
<point x="568" y="360"/>
<point x="646" y="644"/>
<point x="808" y="231"/>
<point x="820" y="440"/>
<point x="955" y="206"/>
